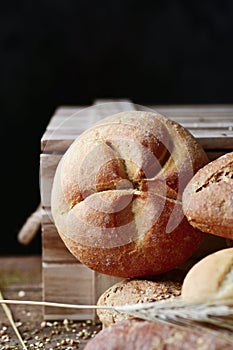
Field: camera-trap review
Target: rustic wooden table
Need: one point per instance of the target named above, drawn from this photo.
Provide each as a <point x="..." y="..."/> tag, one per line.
<point x="20" y="278"/>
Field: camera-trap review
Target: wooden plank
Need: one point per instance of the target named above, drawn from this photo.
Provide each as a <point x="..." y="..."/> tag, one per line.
<point x="53" y="143"/>
<point x="57" y="122"/>
<point x="209" y="125"/>
<point x="214" y="139"/>
<point x="76" y="119"/>
<point x="77" y="126"/>
<point x="204" y="122"/>
<point x="86" y="118"/>
<point x="68" y="283"/>
<point x="48" y="165"/>
<point x="190" y="109"/>
<point x="223" y="139"/>
<point x="186" y="113"/>
<point x="55" y="251"/>
<point x="53" y="248"/>
<point x="74" y="284"/>
<point x="46" y="216"/>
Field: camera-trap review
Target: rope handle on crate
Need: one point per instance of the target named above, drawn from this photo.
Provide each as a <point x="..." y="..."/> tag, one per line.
<point x="30" y="227"/>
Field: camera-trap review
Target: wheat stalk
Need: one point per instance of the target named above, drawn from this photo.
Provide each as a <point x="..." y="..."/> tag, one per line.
<point x="171" y="311"/>
<point x="52" y="304"/>
<point x="176" y="310"/>
<point x="11" y="320"/>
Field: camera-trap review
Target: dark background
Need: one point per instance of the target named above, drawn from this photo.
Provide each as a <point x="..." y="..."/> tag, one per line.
<point x="70" y="52"/>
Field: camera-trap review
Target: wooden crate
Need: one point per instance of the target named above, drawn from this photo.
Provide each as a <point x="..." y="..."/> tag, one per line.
<point x="64" y="278"/>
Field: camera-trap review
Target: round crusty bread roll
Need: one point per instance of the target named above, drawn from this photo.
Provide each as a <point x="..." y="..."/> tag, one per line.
<point x="116" y="195"/>
<point x="211" y="279"/>
<point x="133" y="291"/>
<point x="208" y="198"/>
<point x="139" y="335"/>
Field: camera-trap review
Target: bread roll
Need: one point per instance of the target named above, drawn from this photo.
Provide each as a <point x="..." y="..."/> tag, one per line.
<point x="140" y="335"/>
<point x="116" y="196"/>
<point x="133" y="291"/>
<point x="211" y="279"/>
<point x="208" y="198"/>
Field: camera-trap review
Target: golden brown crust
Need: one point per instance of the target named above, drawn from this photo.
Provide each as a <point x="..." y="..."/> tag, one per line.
<point x="116" y="196"/>
<point x="128" y="253"/>
<point x="208" y="198"/>
<point x="138" y="335"/>
<point x="133" y="291"/>
<point x="210" y="279"/>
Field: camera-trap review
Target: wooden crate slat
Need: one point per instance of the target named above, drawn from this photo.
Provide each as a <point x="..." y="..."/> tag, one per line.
<point x="190" y="108"/>
<point x="48" y="165"/>
<point x="210" y="139"/>
<point x="208" y="113"/>
<point x="213" y="139"/>
<point x="66" y="123"/>
<point x="54" y="142"/>
<point x="218" y="140"/>
<point x="213" y="123"/>
<point x="69" y="119"/>
<point x="188" y="125"/>
<point x="53" y="248"/>
<point x="46" y="216"/>
<point x="68" y="283"/>
<point x="209" y="125"/>
<point x="89" y="116"/>
<point x="195" y="130"/>
<point x="74" y="284"/>
<point x="188" y="111"/>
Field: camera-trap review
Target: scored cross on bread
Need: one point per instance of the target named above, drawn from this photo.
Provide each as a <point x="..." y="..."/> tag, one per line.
<point x="116" y="196"/>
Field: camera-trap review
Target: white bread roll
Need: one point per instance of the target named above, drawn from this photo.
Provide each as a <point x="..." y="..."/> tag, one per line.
<point x="211" y="279"/>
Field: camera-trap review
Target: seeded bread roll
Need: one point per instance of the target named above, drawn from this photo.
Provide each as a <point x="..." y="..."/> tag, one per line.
<point x="208" y="198"/>
<point x="140" y="335"/>
<point x="133" y="291"/>
<point x="210" y="279"/>
<point x="116" y="196"/>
